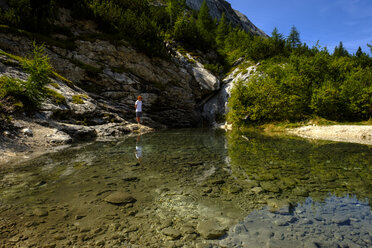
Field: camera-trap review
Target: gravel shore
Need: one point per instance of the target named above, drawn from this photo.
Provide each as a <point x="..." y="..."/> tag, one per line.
<point x="342" y="133"/>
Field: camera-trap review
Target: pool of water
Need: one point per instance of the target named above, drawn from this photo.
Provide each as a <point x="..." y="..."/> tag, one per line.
<point x="191" y="188"/>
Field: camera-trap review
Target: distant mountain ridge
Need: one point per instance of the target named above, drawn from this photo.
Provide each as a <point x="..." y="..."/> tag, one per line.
<point x="217" y="7"/>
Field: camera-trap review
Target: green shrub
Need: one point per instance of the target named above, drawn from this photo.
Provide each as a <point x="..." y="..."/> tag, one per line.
<point x="327" y="102"/>
<point x="216" y="69"/>
<point x="356" y="92"/>
<point x="32" y="91"/>
<point x="132" y="20"/>
<point x="31" y="15"/>
<point x="40" y="70"/>
<point x="304" y="86"/>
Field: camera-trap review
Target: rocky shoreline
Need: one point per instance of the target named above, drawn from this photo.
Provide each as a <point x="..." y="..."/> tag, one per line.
<point x="29" y="138"/>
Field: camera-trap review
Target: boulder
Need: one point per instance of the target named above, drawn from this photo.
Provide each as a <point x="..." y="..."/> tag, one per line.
<point x="78" y="132"/>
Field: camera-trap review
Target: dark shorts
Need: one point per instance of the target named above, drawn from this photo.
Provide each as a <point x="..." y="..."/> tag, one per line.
<point x="138" y="114"/>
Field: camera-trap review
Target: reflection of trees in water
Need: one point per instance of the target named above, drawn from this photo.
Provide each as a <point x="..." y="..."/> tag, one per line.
<point x="293" y="168"/>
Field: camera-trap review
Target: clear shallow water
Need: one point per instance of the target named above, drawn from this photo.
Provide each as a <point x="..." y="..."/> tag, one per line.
<point x="191" y="188"/>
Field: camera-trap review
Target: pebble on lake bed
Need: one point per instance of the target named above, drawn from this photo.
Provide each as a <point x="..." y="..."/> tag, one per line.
<point x="119" y="198"/>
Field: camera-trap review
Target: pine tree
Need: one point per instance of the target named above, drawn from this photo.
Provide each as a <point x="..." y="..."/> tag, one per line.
<point x="222" y="31"/>
<point x="205" y="24"/>
<point x="175" y="8"/>
<point x="185" y="30"/>
<point x="204" y="19"/>
<point x="277" y="39"/>
<point x="293" y="39"/>
<point x="340" y="51"/>
<point x="359" y="53"/>
<point x="276" y="36"/>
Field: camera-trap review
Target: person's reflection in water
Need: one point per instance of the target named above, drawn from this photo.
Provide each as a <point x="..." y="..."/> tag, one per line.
<point x="138" y="150"/>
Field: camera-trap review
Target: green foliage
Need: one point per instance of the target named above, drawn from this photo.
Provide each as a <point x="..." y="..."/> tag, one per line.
<point x="205" y="25"/>
<point x="185" y="30"/>
<point x="174" y="9"/>
<point x="303" y="86"/>
<point x="340" y="51"/>
<point x="40" y="70"/>
<point x="222" y="31"/>
<point x="356" y="91"/>
<point x="32" y="91"/>
<point x="215" y="68"/>
<point x="293" y="39"/>
<point x="10" y="87"/>
<point x="31" y="15"/>
<point x="78" y="99"/>
<point x="327" y="102"/>
<point x="131" y="20"/>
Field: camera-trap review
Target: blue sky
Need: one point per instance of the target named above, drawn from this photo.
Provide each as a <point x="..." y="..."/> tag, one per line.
<point x="329" y="21"/>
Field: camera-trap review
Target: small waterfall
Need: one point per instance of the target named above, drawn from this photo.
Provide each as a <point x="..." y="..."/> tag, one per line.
<point x="215" y="109"/>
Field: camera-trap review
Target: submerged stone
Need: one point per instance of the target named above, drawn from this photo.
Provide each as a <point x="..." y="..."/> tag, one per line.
<point x="271" y="187"/>
<point x="119" y="198"/>
<point x="210" y="229"/>
<point x="172" y="233"/>
<point x="40" y="212"/>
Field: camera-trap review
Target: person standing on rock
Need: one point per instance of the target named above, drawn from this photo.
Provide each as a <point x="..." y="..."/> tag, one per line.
<point x="138" y="107"/>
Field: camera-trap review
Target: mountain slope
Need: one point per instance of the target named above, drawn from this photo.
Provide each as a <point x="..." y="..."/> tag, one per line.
<point x="217" y="7"/>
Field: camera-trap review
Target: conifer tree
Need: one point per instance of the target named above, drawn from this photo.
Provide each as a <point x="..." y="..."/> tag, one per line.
<point x="340" y="51"/>
<point x="359" y="52"/>
<point x="205" y="24"/>
<point x="175" y="8"/>
<point x="205" y="21"/>
<point x="278" y="41"/>
<point x="222" y="30"/>
<point x="293" y="39"/>
<point x="185" y="30"/>
<point x="276" y="36"/>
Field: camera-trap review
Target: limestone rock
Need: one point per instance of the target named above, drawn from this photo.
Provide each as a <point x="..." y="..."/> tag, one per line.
<point x="59" y="138"/>
<point x="78" y="132"/>
<point x="27" y="132"/>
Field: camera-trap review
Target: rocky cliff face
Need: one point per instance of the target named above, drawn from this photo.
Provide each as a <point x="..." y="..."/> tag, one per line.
<point x="217" y="7"/>
<point x="113" y="75"/>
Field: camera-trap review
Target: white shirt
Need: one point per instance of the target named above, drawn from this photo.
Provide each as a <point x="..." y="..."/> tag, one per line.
<point x="139" y="106"/>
